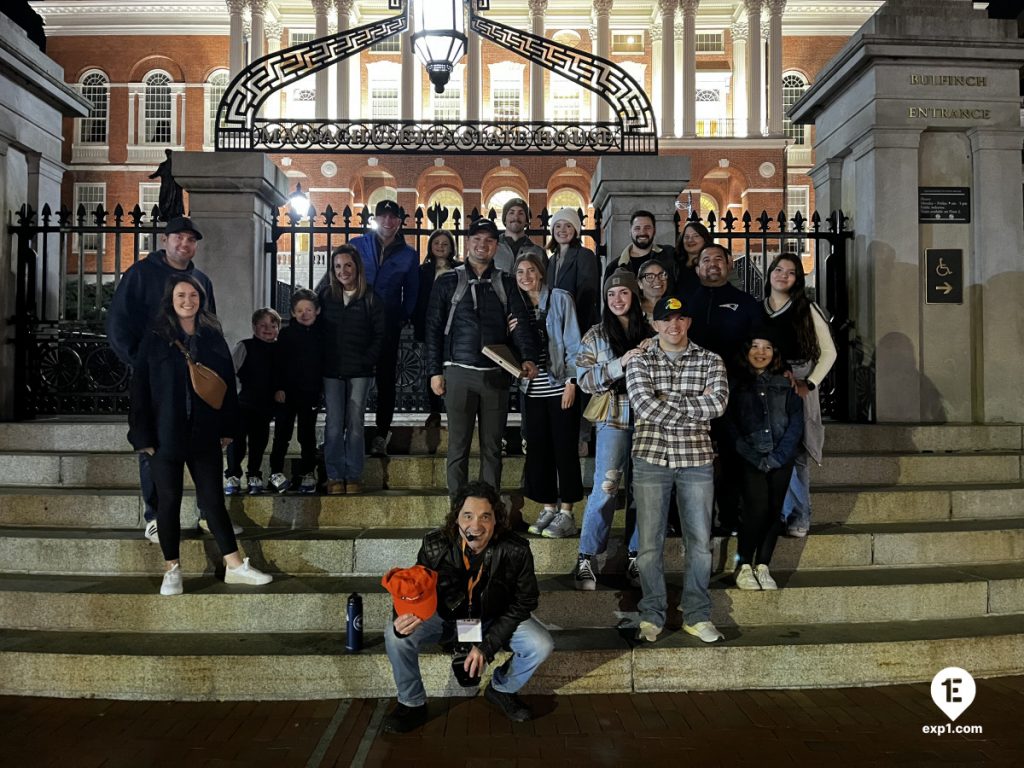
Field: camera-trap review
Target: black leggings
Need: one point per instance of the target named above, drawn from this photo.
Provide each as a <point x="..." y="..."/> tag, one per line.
<point x="169" y="477"/>
<point x="254" y="433"/>
<point x="763" y="494"/>
<point x="552" y="471"/>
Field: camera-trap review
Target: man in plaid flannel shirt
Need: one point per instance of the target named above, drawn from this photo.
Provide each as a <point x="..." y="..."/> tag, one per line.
<point x="675" y="388"/>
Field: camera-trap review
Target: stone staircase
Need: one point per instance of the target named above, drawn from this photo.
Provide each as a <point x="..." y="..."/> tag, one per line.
<point x="915" y="563"/>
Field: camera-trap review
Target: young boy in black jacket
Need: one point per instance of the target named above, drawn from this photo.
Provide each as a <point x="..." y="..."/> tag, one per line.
<point x="298" y="391"/>
<point x="254" y="367"/>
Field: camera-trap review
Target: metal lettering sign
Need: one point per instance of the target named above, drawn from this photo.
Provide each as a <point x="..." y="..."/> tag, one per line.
<point x="944" y="205"/>
<point x="944" y="276"/>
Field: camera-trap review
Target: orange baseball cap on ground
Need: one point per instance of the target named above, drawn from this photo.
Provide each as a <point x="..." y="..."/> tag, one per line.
<point x="413" y="590"/>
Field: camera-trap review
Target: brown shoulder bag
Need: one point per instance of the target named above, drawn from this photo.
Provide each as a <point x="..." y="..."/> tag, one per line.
<point x="207" y="383"/>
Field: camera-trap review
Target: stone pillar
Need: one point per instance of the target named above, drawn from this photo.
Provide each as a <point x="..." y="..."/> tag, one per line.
<point x="602" y="17"/>
<point x="739" y="78"/>
<point x="656" y="75"/>
<point x="257" y="9"/>
<point x="621" y="185"/>
<point x="236" y="43"/>
<point x="668" y="67"/>
<point x="343" y="67"/>
<point x="537" y="100"/>
<point x="272" y="106"/>
<point x="233" y="199"/>
<point x="322" y="78"/>
<point x="689" y="9"/>
<point x="775" y="115"/>
<point x="754" y="67"/>
<point x="410" y="66"/>
<point x="473" y="77"/>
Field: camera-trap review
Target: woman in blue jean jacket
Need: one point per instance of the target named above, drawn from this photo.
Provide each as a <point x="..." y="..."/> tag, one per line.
<point x="764" y="422"/>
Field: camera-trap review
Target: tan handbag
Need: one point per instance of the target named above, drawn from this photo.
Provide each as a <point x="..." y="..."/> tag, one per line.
<point x="205" y="381"/>
<point x="598" y="407"/>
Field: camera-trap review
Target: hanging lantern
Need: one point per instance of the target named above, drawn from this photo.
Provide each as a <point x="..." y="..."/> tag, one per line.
<point x="441" y="38"/>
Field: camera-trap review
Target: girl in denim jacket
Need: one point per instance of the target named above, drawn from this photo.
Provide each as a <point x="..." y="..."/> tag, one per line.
<point x="764" y="423"/>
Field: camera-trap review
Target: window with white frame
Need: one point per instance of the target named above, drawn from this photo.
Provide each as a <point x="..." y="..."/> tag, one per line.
<point x="628" y="41"/>
<point x="710" y="42"/>
<point x="566" y="98"/>
<point x="384" y="78"/>
<point x="299" y="36"/>
<point x="157" y="115"/>
<point x="96" y="88"/>
<point x="798" y="199"/>
<point x="710" y="108"/>
<point x="216" y="84"/>
<point x="447" y="106"/>
<point x="507" y="90"/>
<point x="149" y="197"/>
<point x="391" y="44"/>
<point x="566" y="198"/>
<point x="88" y="196"/>
<point x="793" y="87"/>
<point x="637" y="70"/>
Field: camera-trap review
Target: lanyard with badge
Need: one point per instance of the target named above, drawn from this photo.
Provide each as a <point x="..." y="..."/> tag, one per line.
<point x="469" y="629"/>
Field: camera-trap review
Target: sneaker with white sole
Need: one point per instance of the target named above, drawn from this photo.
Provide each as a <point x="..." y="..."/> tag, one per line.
<point x="172" y="581"/>
<point x="205" y="527"/>
<point x="150" y="532"/>
<point x="255" y="485"/>
<point x="632" y="572"/>
<point x="704" y="630"/>
<point x="583" y="576"/>
<point x="308" y="484"/>
<point x="764" y="578"/>
<point x="246" y="574"/>
<point x="797" y="532"/>
<point x="279" y="482"/>
<point x="232" y="486"/>
<point x="543" y="520"/>
<point x="648" y="631"/>
<point x="561" y="527"/>
<point x="745" y="579"/>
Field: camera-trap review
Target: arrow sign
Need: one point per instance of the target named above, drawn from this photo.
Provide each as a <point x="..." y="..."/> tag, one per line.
<point x="946" y="288"/>
<point x="944" y="276"/>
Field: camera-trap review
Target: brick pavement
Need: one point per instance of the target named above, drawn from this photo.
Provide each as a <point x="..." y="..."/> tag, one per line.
<point x="843" y="726"/>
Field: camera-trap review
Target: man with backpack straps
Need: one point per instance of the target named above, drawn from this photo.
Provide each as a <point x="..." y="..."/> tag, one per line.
<point x="470" y="308"/>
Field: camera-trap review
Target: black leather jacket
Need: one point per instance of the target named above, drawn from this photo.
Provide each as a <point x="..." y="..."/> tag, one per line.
<point x="509" y="595"/>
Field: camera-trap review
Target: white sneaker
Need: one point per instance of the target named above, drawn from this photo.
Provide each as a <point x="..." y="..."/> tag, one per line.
<point x="745" y="579"/>
<point x="561" y="527"/>
<point x="255" y="485"/>
<point x="172" y="581"/>
<point x="543" y="521"/>
<point x="797" y="532"/>
<point x="232" y="486"/>
<point x="704" y="630"/>
<point x="764" y="578"/>
<point x="648" y="631"/>
<point x="205" y="527"/>
<point x="246" y="574"/>
<point x="308" y="484"/>
<point x="150" y="532"/>
<point x="583" y="576"/>
<point x="279" y="482"/>
<point x="632" y="572"/>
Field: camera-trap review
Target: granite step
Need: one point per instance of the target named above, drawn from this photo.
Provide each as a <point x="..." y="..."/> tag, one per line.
<point x="204" y="667"/>
<point x="340" y="551"/>
<point x="122" y="508"/>
<point x="317" y="604"/>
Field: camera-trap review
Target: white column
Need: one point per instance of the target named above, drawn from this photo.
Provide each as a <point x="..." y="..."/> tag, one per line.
<point x="656" y="77"/>
<point x="754" y="67"/>
<point x="473" y="78"/>
<point x="677" y="94"/>
<point x="323" y="82"/>
<point x="410" y="65"/>
<point x="602" y="15"/>
<point x="739" y="78"/>
<point x="775" y="9"/>
<point x="764" y="80"/>
<point x="537" y="96"/>
<point x="257" y="9"/>
<point x="668" y="65"/>
<point x="272" y="106"/>
<point x="235" y="43"/>
<point x="344" y="75"/>
<point x="689" y="9"/>
<point x="592" y="32"/>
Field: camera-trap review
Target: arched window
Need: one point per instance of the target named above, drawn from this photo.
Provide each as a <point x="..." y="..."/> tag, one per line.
<point x="381" y="193"/>
<point x="566" y="198"/>
<point x="498" y="200"/>
<point x="216" y="84"/>
<point x="793" y="87"/>
<point x="157" y="116"/>
<point x="96" y="88"/>
<point x="448" y="199"/>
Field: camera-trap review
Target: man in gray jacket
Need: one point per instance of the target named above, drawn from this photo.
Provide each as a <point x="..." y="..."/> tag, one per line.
<point x="515" y="217"/>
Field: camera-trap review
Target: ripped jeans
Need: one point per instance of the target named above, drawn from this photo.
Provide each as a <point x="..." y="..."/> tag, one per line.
<point x="610" y="464"/>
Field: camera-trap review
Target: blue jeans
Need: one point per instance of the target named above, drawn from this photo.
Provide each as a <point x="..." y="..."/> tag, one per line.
<point x="344" y="449"/>
<point x="531" y="645"/>
<point x="796" y="510"/>
<point x="695" y="493"/>
<point x="610" y="464"/>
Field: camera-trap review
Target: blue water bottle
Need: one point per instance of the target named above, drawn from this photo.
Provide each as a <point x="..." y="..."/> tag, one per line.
<point x="354" y="624"/>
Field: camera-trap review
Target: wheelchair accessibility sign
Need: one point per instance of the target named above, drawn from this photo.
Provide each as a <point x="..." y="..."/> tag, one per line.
<point x="944" y="276"/>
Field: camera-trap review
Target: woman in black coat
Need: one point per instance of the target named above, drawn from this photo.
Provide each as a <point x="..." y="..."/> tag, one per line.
<point x="354" y="327"/>
<point x="176" y="428"/>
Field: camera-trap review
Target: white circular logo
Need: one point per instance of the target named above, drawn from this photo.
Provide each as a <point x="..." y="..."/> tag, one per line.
<point x="953" y="691"/>
<point x="357" y="623"/>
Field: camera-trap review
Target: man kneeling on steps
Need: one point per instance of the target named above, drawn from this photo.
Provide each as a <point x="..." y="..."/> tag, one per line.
<point x="486" y="590"/>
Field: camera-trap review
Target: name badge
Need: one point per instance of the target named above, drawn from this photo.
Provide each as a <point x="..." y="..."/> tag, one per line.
<point x="469" y="630"/>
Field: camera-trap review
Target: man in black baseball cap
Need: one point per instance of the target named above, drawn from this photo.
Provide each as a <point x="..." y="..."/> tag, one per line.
<point x="482" y="225"/>
<point x="182" y="224"/>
